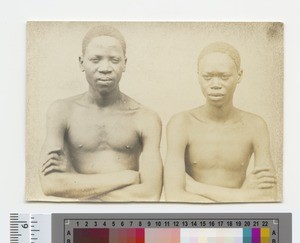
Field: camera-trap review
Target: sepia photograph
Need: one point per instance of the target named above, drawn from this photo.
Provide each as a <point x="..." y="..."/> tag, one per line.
<point x="185" y="112"/>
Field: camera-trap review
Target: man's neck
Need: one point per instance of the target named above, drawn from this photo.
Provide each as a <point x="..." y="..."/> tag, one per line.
<point x="219" y="113"/>
<point x="104" y="99"/>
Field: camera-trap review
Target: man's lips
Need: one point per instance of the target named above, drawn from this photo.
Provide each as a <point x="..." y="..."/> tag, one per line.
<point x="104" y="79"/>
<point x="104" y="82"/>
<point x="216" y="95"/>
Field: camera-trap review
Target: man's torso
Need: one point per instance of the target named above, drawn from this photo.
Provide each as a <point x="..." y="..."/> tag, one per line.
<point x="218" y="154"/>
<point x="104" y="140"/>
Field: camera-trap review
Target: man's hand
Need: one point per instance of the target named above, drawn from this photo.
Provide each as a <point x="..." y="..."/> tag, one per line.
<point x="260" y="178"/>
<point x="56" y="162"/>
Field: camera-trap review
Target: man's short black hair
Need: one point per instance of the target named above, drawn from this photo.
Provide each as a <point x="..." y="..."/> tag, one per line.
<point x="103" y="30"/>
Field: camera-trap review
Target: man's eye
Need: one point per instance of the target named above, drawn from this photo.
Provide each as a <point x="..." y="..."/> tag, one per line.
<point x="225" y="77"/>
<point x="94" y="60"/>
<point x="115" y="60"/>
<point x="207" y="77"/>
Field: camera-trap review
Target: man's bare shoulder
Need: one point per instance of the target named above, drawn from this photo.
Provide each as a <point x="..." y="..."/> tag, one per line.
<point x="182" y="119"/>
<point x="143" y="115"/>
<point x="253" y="121"/>
<point x="62" y="107"/>
<point x="178" y="128"/>
<point x="148" y="117"/>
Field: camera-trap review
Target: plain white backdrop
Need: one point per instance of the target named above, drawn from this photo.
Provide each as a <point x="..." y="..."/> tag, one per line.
<point x="13" y="17"/>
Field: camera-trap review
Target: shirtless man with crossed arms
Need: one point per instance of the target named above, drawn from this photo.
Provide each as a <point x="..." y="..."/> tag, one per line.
<point x="209" y="147"/>
<point x="102" y="145"/>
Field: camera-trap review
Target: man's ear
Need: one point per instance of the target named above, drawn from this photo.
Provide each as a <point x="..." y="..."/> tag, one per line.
<point x="240" y="75"/>
<point x="80" y="59"/>
<point x="125" y="62"/>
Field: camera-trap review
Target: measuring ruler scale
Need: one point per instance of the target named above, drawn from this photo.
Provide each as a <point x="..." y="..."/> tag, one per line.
<point x="30" y="228"/>
<point x="151" y="228"/>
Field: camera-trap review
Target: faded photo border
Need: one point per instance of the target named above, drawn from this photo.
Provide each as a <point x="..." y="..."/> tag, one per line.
<point x="161" y="73"/>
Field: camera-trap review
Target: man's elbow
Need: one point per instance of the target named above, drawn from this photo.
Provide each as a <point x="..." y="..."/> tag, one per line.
<point x="52" y="186"/>
<point x="48" y="187"/>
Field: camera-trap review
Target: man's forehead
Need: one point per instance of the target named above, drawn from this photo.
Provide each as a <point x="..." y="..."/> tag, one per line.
<point x="105" y="41"/>
<point x="216" y="59"/>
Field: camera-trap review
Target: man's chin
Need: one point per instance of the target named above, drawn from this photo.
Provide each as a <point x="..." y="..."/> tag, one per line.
<point x="105" y="87"/>
<point x="216" y="102"/>
<point x="104" y="91"/>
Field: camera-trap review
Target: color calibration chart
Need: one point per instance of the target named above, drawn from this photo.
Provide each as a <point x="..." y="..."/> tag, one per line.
<point x="155" y="228"/>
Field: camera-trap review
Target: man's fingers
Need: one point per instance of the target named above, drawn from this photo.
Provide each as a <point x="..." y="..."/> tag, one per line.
<point x="53" y="168"/>
<point x="58" y="151"/>
<point x="268" y="180"/>
<point x="52" y="156"/>
<point x="261" y="169"/>
<point x="50" y="163"/>
<point x="266" y="185"/>
<point x="263" y="174"/>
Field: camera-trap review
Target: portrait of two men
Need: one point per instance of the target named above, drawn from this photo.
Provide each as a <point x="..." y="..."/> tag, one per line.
<point x="154" y="112"/>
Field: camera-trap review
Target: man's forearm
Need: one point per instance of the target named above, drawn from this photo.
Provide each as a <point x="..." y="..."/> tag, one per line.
<point x="132" y="193"/>
<point x="224" y="194"/>
<point x="185" y="196"/>
<point x="75" y="185"/>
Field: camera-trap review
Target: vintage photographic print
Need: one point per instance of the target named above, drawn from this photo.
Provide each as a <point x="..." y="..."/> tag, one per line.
<point x="188" y="112"/>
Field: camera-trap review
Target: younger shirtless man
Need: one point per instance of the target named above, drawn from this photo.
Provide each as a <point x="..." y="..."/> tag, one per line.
<point x="95" y="140"/>
<point x="209" y="147"/>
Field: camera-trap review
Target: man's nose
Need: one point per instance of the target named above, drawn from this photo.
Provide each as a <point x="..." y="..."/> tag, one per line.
<point x="215" y="83"/>
<point x="104" y="67"/>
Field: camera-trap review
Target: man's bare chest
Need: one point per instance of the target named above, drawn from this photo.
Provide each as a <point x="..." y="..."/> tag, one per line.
<point x="111" y="131"/>
<point x="225" y="147"/>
